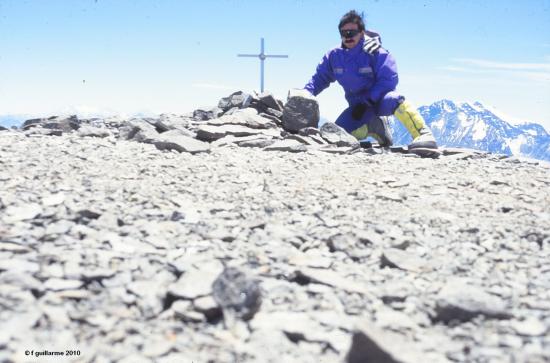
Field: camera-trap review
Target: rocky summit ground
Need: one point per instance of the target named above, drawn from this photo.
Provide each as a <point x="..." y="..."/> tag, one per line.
<point x="116" y="251"/>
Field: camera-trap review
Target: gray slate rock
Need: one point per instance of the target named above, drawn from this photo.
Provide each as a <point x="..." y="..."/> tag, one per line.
<point x="372" y="345"/>
<point x="136" y="129"/>
<point x="237" y="99"/>
<point x="234" y="290"/>
<point x="331" y="149"/>
<point x="246" y="117"/>
<point x="462" y="302"/>
<point x="302" y="139"/>
<point x="262" y="143"/>
<point x="287" y="145"/>
<point x="278" y="120"/>
<point x="301" y="110"/>
<point x="403" y="260"/>
<point x="176" y="140"/>
<point x="211" y="133"/>
<point x="167" y="122"/>
<point x="270" y="101"/>
<point x="309" y="131"/>
<point x="40" y="130"/>
<point x="205" y="115"/>
<point x="65" y="124"/>
<point x="334" y="134"/>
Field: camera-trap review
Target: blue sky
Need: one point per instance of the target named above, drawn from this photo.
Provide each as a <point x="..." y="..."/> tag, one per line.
<point x="127" y="56"/>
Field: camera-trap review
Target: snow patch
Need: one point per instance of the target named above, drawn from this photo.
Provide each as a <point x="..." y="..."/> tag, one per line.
<point x="479" y="130"/>
<point x="438" y="124"/>
<point x="515" y="144"/>
<point x="464" y="119"/>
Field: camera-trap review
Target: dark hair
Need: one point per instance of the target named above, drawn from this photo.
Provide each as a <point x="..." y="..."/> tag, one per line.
<point x="352" y="17"/>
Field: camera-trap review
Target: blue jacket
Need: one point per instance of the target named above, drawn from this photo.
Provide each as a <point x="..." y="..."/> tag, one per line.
<point x="364" y="77"/>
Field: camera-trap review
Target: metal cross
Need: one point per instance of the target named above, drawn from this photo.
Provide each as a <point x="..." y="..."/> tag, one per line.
<point x="262" y="57"/>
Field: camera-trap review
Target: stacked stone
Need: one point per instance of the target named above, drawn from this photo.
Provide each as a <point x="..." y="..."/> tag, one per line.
<point x="240" y="119"/>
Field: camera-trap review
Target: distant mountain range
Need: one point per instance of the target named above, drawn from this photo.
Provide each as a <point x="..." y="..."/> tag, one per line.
<point x="12" y="120"/>
<point x="465" y="125"/>
<point x="474" y="126"/>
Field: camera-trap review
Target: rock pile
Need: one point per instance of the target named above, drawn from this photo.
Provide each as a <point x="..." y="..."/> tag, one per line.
<point x="192" y="239"/>
<point x="259" y="121"/>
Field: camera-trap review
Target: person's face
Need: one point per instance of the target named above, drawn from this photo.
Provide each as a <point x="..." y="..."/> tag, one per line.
<point x="350" y="35"/>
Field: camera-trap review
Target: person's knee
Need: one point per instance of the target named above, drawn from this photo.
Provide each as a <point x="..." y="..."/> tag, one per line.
<point x="389" y="103"/>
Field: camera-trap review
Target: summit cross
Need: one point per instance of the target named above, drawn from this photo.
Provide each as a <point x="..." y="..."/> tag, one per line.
<point x="262" y="57"/>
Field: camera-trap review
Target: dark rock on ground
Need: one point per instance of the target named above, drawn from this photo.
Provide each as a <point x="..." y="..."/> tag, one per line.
<point x="301" y="110"/>
<point x="237" y="292"/>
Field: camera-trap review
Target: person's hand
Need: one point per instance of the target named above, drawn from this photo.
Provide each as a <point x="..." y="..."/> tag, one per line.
<point x="358" y="111"/>
<point x="372" y="44"/>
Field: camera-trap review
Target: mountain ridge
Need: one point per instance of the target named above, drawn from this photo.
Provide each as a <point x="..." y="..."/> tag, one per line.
<point x="475" y="126"/>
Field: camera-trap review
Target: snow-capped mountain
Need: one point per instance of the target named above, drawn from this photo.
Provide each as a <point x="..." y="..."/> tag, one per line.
<point x="477" y="127"/>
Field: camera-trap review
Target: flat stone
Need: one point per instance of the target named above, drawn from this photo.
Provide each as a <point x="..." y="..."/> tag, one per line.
<point x="167" y="122"/>
<point x="53" y="199"/>
<point x="336" y="135"/>
<point x="22" y="213"/>
<point x="211" y="133"/>
<point x="176" y="140"/>
<point x="529" y="327"/>
<point x="259" y="143"/>
<point x="303" y="139"/>
<point x="286" y="145"/>
<point x="56" y="284"/>
<point x="313" y="260"/>
<point x="19" y="265"/>
<point x="396" y="258"/>
<point x="462" y="302"/>
<point x="329" y="278"/>
<point x="128" y="129"/>
<point x="195" y="283"/>
<point x="370" y="344"/>
<point x="246" y="117"/>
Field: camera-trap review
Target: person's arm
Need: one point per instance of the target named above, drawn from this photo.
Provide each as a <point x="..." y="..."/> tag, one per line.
<point x="322" y="78"/>
<point x="385" y="73"/>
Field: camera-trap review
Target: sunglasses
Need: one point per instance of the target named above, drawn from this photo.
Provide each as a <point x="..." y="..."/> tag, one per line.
<point x="349" y="33"/>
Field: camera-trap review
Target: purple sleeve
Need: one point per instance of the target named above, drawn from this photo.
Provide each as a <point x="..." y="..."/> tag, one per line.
<point x="322" y="78"/>
<point x="385" y="71"/>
